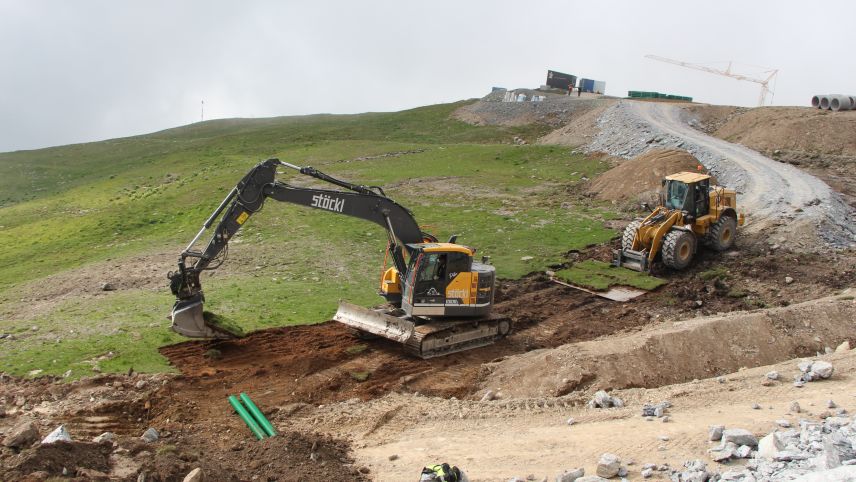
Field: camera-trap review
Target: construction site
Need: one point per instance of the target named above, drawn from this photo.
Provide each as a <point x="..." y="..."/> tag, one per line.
<point x="598" y="287"/>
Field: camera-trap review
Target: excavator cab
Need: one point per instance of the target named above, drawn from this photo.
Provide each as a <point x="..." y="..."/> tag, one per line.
<point x="443" y="280"/>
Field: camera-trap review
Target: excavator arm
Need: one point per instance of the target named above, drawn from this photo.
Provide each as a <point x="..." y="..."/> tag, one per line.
<point x="247" y="198"/>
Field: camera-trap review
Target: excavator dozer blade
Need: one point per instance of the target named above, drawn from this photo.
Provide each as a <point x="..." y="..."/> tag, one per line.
<point x="188" y="319"/>
<point x="374" y="322"/>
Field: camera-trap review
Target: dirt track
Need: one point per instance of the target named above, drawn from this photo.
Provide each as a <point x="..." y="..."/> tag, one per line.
<point x="779" y="198"/>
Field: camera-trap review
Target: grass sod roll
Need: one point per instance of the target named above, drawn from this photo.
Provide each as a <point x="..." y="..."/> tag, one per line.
<point x="246" y="417"/>
<point x="258" y="415"/>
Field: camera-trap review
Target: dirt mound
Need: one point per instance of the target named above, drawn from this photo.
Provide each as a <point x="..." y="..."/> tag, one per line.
<point x="555" y="110"/>
<point x="580" y="130"/>
<point x="679" y="352"/>
<point x="54" y="457"/>
<point x="639" y="179"/>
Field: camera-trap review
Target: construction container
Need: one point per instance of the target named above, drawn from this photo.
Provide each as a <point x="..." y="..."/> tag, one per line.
<point x="599" y="86"/>
<point x="639" y="94"/>
<point x="559" y="80"/>
<point x="586" y="85"/>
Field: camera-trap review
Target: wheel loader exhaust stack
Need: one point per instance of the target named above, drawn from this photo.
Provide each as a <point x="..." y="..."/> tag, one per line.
<point x="691" y="212"/>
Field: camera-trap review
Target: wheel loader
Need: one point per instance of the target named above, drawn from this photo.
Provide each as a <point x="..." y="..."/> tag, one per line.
<point x="691" y="211"/>
<point x="439" y="299"/>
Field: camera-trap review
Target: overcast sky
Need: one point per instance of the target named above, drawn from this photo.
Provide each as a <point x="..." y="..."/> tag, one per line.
<point x="76" y="71"/>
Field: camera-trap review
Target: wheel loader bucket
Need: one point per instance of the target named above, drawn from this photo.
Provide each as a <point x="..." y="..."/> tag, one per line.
<point x="188" y="319"/>
<point x="627" y="258"/>
<point x="374" y="322"/>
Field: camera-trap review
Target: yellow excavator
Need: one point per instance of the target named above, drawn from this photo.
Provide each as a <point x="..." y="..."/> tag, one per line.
<point x="439" y="299"/>
<point x="691" y="211"/>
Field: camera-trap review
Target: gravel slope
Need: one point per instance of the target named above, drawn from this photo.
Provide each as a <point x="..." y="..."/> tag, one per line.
<point x="773" y="194"/>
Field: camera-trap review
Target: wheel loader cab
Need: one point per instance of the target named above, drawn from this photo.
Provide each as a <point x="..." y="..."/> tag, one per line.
<point x="688" y="192"/>
<point x="443" y="280"/>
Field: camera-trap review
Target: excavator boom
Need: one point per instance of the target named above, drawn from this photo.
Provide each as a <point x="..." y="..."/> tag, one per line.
<point x="248" y="197"/>
<point x="440" y="298"/>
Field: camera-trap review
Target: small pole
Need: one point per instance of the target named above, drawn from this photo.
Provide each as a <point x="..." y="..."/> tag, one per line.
<point x="202" y="112"/>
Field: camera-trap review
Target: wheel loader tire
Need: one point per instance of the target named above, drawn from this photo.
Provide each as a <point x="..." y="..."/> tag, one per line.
<point x="629" y="234"/>
<point x="678" y="248"/>
<point x="722" y="233"/>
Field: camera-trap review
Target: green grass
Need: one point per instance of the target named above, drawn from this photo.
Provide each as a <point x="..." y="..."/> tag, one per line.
<point x="222" y="323"/>
<point x="600" y="276"/>
<point x="66" y="211"/>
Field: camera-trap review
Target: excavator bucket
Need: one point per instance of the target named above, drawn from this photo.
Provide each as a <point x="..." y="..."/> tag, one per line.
<point x="189" y="319"/>
<point x="375" y="322"/>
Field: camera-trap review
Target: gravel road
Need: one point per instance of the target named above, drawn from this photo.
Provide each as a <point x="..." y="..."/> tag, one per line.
<point x="772" y="193"/>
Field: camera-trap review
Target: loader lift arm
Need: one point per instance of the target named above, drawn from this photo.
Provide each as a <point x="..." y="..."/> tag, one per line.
<point x="247" y="197"/>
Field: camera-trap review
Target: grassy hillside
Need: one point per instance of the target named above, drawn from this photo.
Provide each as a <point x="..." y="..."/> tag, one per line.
<point x="120" y="211"/>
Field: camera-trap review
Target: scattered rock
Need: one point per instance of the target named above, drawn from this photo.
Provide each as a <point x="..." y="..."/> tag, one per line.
<point x="657" y="410"/>
<point x="831" y="404"/>
<point x="364" y="470"/>
<point x="194" y="475"/>
<point x="60" y="434"/>
<point x="822" y="369"/>
<point x="571" y="421"/>
<point x="665" y="419"/>
<point x="743" y="452"/>
<point x="715" y="432"/>
<point x="141" y="384"/>
<point x="150" y="435"/>
<point x="720" y="379"/>
<point x="608" y="465"/>
<point x="571" y="475"/>
<point x="769" y="446"/>
<point x="739" y="436"/>
<point x="647" y="473"/>
<point x="22" y="435"/>
<point x="755" y="406"/>
<point x="106" y="286"/>
<point x="843" y="347"/>
<point x="788" y="280"/>
<point x="795" y="407"/>
<point x="603" y="400"/>
<point x="393" y="457"/>
<point x="782" y="423"/>
<point x="773" y="375"/>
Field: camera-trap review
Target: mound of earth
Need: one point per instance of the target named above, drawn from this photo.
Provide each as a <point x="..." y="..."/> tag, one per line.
<point x="639" y="179"/>
<point x="555" y="110"/>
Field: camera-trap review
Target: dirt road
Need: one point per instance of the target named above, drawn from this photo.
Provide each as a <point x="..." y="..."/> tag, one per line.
<point x="775" y="195"/>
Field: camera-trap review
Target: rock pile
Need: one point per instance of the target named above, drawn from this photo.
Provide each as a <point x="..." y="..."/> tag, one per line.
<point x="656" y="410"/>
<point x="812" y="370"/>
<point x="604" y="400"/>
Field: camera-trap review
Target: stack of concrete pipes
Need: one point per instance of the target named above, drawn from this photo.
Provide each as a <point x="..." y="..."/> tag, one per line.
<point x="834" y="102"/>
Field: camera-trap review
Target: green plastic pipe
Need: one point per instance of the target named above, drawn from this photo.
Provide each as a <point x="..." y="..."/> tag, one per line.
<point x="246" y="417"/>
<point x="258" y="415"/>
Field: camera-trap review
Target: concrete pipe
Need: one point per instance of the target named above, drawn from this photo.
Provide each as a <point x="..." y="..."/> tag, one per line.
<point x="824" y="102"/>
<point x="839" y="102"/>
<point x="815" y="101"/>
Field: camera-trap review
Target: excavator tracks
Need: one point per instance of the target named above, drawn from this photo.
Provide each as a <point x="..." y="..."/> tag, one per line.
<point x="438" y="338"/>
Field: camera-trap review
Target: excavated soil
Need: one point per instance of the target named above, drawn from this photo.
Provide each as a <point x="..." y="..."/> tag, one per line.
<point x="639" y="179"/>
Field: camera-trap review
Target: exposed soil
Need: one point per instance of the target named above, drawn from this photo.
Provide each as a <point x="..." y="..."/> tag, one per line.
<point x="639" y="179"/>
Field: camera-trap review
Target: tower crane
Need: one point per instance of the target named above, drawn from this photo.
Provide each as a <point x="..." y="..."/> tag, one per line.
<point x="765" y="82"/>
